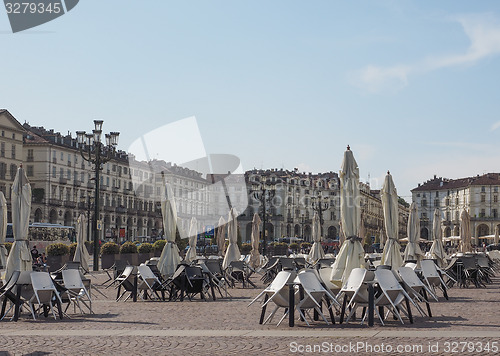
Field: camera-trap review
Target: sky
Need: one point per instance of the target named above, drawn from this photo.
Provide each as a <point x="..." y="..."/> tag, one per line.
<point x="411" y="86"/>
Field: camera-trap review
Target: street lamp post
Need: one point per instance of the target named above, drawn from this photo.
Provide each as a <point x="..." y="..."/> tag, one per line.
<point x="94" y="151"/>
<point x="320" y="204"/>
<point x="264" y="195"/>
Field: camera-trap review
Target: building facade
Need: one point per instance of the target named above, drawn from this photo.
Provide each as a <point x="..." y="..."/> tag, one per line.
<point x="478" y="195"/>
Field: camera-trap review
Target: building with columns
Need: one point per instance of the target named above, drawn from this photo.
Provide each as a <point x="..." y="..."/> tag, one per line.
<point x="478" y="195"/>
<point x="294" y="199"/>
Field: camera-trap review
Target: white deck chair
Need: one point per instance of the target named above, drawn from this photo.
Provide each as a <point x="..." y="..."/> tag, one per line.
<point x="147" y="281"/>
<point x="354" y="289"/>
<point x="325" y="274"/>
<point x="415" y="287"/>
<point x="313" y="294"/>
<point x="76" y="289"/>
<point x="431" y="275"/>
<point x="393" y="294"/>
<point x="44" y="291"/>
<point x="278" y="294"/>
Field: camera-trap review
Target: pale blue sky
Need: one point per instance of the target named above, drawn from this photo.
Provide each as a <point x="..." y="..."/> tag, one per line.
<point x="412" y="86"/>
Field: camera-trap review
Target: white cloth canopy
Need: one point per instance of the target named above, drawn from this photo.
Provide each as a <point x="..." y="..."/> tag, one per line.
<point x="437" y="249"/>
<point x="3" y="230"/>
<point x="20" y="257"/>
<point x="221" y="238"/>
<point x="193" y="234"/>
<point x="351" y="254"/>
<point x="233" y="252"/>
<point x="169" y="258"/>
<point x="412" y="250"/>
<point x="81" y="253"/>
<point x="391" y="255"/>
<point x="381" y="236"/>
<point x="317" y="251"/>
<point x="255" y="259"/>
<point x="465" y="233"/>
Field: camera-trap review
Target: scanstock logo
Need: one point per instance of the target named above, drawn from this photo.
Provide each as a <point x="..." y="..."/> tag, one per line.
<point x="25" y="14"/>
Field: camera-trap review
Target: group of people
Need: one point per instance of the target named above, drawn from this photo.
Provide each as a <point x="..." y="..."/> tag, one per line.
<point x="38" y="259"/>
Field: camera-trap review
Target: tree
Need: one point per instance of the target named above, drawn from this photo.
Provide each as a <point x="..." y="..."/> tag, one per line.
<point x="403" y="202"/>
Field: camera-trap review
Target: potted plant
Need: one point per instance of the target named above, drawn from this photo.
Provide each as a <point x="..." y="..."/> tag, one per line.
<point x="128" y="253"/>
<point x="72" y="250"/>
<point x="57" y="256"/>
<point x="109" y="251"/>
<point x="245" y="248"/>
<point x="158" y="246"/>
<point x="145" y="252"/>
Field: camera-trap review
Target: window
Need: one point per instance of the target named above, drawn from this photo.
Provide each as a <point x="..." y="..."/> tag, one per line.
<point x="448" y="215"/>
<point x="30" y="155"/>
<point x="13" y="136"/>
<point x="68" y="173"/>
<point x="437" y="194"/>
<point x="482" y="214"/>
<point x="495" y="213"/>
<point x="436" y="202"/>
<point x="447" y="202"/>
<point x="483" y="198"/>
<point x="14" y="151"/>
<point x="29" y="171"/>
<point x="61" y="173"/>
<point x="62" y="156"/>
<point x="2" y="149"/>
<point x="424" y="202"/>
<point x="13" y="169"/>
<point x="495" y="199"/>
<point x="456" y="201"/>
<point x="495" y="189"/>
<point x="3" y="170"/>
<point x="54" y="174"/>
<point x="3" y="133"/>
<point x="457" y="215"/>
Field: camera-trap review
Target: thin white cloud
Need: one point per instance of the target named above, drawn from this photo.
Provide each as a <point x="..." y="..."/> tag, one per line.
<point x="495" y="126"/>
<point x="483" y="32"/>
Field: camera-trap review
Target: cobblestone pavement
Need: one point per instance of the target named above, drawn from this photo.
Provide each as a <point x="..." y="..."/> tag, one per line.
<point x="469" y="321"/>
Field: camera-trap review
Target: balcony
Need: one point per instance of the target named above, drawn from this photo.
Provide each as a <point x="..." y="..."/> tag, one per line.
<point x="103" y="187"/>
<point x="109" y="208"/>
<point x="141" y="212"/>
<point x="114" y="189"/>
<point x="90" y="185"/>
<point x="63" y="180"/>
<point x="69" y="204"/>
<point x="55" y="202"/>
<point x="69" y="163"/>
<point x="484" y="218"/>
<point x="77" y="182"/>
<point x="132" y="211"/>
<point x="121" y="210"/>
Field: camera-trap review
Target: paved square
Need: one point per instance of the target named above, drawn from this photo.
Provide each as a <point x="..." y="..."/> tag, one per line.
<point x="229" y="327"/>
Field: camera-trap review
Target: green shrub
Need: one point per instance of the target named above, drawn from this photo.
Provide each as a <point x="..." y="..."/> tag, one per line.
<point x="305" y="245"/>
<point x="110" y="248"/>
<point x="57" y="249"/>
<point x="72" y="249"/>
<point x="8" y="246"/>
<point x="294" y="246"/>
<point x="158" y="245"/>
<point x="128" y="247"/>
<point x="246" y="248"/>
<point x="145" y="248"/>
